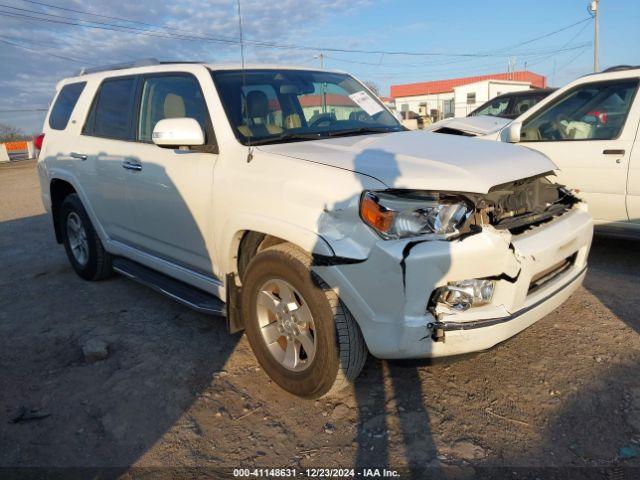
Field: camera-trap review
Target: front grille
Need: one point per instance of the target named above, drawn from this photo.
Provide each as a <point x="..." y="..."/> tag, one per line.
<point x="540" y="279"/>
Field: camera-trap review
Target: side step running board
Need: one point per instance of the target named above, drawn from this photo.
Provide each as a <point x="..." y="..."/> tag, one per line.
<point x="186" y="294"/>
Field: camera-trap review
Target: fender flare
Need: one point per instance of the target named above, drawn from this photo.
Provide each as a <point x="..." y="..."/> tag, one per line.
<point x="311" y="242"/>
<point x="66" y="176"/>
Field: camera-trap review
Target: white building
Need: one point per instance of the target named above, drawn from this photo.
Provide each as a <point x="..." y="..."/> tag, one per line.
<point x="459" y="96"/>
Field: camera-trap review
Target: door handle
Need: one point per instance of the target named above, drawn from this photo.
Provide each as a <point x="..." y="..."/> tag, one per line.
<point x="79" y="156"/>
<point x="129" y="165"/>
<point x="613" y="152"/>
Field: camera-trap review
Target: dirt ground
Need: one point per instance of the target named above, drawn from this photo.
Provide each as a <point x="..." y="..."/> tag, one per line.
<point x="176" y="391"/>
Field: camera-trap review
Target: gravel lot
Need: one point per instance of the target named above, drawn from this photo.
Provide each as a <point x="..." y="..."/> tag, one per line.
<point x="172" y="389"/>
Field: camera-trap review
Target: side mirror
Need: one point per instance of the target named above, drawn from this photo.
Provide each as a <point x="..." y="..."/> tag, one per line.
<point x="178" y="132"/>
<point x="511" y="134"/>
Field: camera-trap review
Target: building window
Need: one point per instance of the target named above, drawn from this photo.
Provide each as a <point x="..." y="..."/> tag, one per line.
<point x="471" y="98"/>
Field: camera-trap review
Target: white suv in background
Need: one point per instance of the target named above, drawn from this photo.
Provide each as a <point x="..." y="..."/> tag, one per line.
<point x="293" y="202"/>
<point x="589" y="128"/>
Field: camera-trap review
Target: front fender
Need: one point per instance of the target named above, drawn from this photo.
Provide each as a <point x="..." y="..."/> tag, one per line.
<point x="235" y="227"/>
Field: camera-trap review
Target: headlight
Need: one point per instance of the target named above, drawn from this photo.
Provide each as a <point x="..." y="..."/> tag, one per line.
<point x="401" y="215"/>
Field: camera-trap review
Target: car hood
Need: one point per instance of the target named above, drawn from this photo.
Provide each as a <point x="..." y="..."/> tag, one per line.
<point x="482" y="125"/>
<point x="416" y="160"/>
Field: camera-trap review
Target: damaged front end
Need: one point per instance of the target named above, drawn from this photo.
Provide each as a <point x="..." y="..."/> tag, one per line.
<point x="475" y="268"/>
<point x="514" y="206"/>
<point x="520" y="205"/>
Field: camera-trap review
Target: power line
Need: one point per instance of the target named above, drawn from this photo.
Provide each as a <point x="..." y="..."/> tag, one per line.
<point x="105" y="26"/>
<point x="39" y="52"/>
<point x="98" y="15"/>
<point x="461" y="70"/>
<point x="21" y="110"/>
<point x="546" y="35"/>
<point x="537" y="62"/>
<point x="166" y="34"/>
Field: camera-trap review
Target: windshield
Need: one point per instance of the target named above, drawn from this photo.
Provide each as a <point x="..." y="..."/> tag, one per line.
<point x="270" y="106"/>
<point x="493" y="108"/>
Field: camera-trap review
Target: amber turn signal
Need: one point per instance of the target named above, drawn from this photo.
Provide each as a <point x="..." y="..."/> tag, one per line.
<point x="375" y="214"/>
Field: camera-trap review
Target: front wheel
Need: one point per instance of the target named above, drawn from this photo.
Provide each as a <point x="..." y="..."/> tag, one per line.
<point x="301" y="333"/>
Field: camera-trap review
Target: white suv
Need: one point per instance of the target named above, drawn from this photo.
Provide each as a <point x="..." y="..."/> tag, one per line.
<point x="589" y="128"/>
<point x="293" y="202"/>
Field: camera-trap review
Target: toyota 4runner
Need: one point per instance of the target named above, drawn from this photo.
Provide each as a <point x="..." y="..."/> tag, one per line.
<point x="292" y="202"/>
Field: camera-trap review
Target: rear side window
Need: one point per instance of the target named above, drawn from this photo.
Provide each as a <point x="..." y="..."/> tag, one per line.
<point x="65" y="103"/>
<point x="112" y="109"/>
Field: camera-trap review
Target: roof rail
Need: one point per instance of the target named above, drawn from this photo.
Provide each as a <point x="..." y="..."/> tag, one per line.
<point x="620" y="68"/>
<point x="145" y="62"/>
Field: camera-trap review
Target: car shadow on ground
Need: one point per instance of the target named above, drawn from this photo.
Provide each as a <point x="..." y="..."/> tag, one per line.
<point x="610" y="259"/>
<point x="595" y="431"/>
<point x="388" y="394"/>
<point x="108" y="405"/>
<point x="162" y="357"/>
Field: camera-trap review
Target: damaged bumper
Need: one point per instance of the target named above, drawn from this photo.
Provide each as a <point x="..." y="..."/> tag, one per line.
<point x="535" y="272"/>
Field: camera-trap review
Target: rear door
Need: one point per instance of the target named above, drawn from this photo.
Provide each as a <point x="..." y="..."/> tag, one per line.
<point x="172" y="191"/>
<point x="589" y="132"/>
<point x="103" y="151"/>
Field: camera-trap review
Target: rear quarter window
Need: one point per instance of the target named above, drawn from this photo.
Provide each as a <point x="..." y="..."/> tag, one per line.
<point x="64" y="105"/>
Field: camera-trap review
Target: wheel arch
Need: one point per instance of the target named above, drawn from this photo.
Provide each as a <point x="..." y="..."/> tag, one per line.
<point x="245" y="233"/>
<point x="59" y="190"/>
<point x="248" y="242"/>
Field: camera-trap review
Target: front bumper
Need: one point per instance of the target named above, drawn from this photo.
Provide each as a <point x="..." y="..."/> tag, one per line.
<point x="388" y="293"/>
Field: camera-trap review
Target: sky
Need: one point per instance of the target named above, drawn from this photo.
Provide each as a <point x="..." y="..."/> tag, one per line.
<point x="385" y="42"/>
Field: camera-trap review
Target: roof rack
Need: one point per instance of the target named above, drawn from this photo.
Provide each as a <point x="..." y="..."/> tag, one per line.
<point x="620" y="68"/>
<point x="145" y="62"/>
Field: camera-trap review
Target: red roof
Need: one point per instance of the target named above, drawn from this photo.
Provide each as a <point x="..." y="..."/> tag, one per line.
<point x="333" y="99"/>
<point x="445" y="86"/>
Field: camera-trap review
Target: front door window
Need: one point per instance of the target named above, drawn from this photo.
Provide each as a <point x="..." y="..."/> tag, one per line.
<point x="594" y="111"/>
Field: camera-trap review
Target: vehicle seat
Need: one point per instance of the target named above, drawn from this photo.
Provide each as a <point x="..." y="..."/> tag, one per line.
<point x="257" y="122"/>
<point x="174" y="106"/>
<point x="292" y="121"/>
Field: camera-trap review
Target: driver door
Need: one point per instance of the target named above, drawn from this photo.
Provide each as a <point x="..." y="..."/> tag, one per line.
<point x="588" y="135"/>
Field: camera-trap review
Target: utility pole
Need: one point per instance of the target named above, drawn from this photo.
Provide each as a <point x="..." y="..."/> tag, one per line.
<point x="595" y="11"/>
<point x="324" y="91"/>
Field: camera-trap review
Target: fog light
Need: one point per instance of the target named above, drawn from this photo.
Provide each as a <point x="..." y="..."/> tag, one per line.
<point x="465" y="294"/>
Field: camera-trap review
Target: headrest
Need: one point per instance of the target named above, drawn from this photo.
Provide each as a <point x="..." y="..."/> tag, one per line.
<point x="174" y="106"/>
<point x="257" y="104"/>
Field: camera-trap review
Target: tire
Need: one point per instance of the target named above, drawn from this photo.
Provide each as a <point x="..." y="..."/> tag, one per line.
<point x="339" y="348"/>
<point x="93" y="262"/>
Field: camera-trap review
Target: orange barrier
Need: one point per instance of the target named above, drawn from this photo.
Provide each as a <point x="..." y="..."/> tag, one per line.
<point x="16" y="146"/>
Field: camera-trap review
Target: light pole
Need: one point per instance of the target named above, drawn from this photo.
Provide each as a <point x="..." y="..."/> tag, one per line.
<point x="595" y="11"/>
<point x="324" y="92"/>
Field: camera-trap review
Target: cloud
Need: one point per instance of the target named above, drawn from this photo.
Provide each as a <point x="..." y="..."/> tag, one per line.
<point x="36" y="53"/>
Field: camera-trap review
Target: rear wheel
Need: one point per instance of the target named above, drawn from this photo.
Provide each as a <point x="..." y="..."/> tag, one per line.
<point x="301" y="333"/>
<point x="84" y="248"/>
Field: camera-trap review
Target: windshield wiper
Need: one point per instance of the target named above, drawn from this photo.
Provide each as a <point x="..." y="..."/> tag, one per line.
<point x="289" y="137"/>
<point x="361" y="131"/>
<point x="285" y="137"/>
